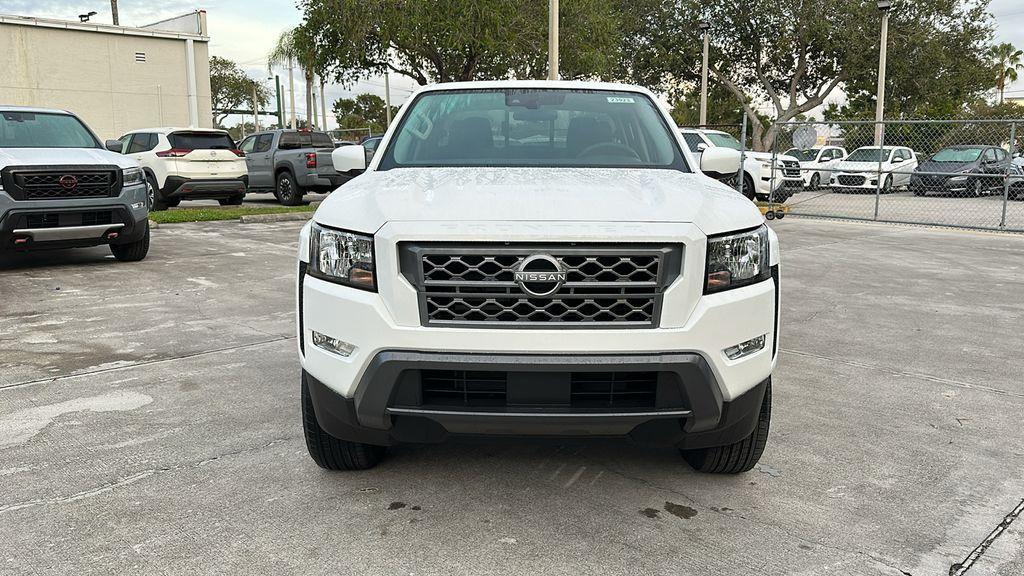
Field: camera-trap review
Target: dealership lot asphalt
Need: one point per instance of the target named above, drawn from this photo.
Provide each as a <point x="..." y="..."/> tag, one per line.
<point x="149" y="425"/>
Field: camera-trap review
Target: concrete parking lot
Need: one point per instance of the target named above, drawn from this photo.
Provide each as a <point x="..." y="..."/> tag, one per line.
<point x="149" y="424"/>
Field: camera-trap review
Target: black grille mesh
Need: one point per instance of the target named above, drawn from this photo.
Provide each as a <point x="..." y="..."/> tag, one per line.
<point x="475" y="284"/>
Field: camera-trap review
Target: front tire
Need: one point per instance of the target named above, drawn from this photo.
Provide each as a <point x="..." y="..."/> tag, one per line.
<point x="332" y="453"/>
<point x="288" y="192"/>
<point x="815" y="181"/>
<point x="133" y="251"/>
<point x="748" y="187"/>
<point x="739" y="456"/>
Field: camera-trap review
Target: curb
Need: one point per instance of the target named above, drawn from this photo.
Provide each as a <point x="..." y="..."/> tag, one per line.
<point x="282" y="217"/>
<point x="153" y="224"/>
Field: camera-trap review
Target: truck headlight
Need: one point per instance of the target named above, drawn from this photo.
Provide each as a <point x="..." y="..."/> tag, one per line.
<point x="737" y="259"/>
<point x="132" y="176"/>
<point x="342" y="257"/>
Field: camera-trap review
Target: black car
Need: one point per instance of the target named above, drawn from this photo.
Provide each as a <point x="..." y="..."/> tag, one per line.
<point x="967" y="170"/>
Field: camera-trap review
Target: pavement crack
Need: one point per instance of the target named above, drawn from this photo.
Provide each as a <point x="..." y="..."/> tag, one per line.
<point x="145" y="363"/>
<point x="961" y="568"/>
<point x="132" y="478"/>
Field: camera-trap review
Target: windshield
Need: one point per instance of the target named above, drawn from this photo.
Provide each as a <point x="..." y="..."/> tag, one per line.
<point x="957" y="155"/>
<point x="44" y="130"/>
<point x="528" y="127"/>
<point x="723" y="140"/>
<point x="809" y="155"/>
<point x="869" y="155"/>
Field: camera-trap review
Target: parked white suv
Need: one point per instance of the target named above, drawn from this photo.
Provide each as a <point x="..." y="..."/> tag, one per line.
<point x="816" y="164"/>
<point x="759" y="178"/>
<point x="537" y="258"/>
<point x="860" y="171"/>
<point x="188" y="164"/>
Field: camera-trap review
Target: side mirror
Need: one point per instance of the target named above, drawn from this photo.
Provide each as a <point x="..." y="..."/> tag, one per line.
<point x="113" y="145"/>
<point x="349" y="158"/>
<point x="702" y="147"/>
<point x="719" y="162"/>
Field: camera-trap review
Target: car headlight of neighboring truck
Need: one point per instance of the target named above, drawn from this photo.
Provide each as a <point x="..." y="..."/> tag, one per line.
<point x="737" y="259"/>
<point x="342" y="257"/>
<point x="132" y="176"/>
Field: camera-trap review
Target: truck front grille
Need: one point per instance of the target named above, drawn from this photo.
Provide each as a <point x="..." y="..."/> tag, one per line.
<point x="61" y="183"/>
<point x="601" y="286"/>
<point x="791" y="168"/>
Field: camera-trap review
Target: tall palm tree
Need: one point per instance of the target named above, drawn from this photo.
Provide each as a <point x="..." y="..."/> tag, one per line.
<point x="291" y="49"/>
<point x="1008" y="61"/>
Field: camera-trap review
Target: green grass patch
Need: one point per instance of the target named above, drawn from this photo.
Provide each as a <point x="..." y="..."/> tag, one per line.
<point x="210" y="213"/>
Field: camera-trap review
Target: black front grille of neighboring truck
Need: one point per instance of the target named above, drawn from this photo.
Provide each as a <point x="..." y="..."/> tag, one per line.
<point x="26" y="183"/>
<point x="605" y="286"/>
<point x="67" y="218"/>
<point x="791" y="168"/>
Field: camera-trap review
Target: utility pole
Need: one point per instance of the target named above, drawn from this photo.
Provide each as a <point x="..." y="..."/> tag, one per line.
<point x="704" y="25"/>
<point x="323" y="105"/>
<point x="280" y="103"/>
<point x="255" y="108"/>
<point x="291" y="88"/>
<point x="387" y="98"/>
<point x="553" y="40"/>
<point x="113" y="12"/>
<point x="884" y="6"/>
<point x="315" y="122"/>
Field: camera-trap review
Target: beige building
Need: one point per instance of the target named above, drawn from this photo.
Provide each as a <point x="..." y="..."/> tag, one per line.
<point x="114" y="77"/>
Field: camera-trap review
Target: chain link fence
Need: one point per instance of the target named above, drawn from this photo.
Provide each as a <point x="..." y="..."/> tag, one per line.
<point x="351" y="134"/>
<point x="958" y="173"/>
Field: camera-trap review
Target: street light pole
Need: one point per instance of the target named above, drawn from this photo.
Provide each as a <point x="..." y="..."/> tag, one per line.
<point x="884" y="6"/>
<point x="387" y="98"/>
<point x="291" y="88"/>
<point x="704" y="25"/>
<point x="553" y="40"/>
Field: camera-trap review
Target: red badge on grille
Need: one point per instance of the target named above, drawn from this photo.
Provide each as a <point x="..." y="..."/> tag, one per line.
<point x="68" y="181"/>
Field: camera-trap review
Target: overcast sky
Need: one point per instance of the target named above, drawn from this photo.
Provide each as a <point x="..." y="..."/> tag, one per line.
<point x="245" y="30"/>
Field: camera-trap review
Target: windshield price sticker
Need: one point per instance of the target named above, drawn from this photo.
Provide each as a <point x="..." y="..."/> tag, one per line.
<point x="620" y="100"/>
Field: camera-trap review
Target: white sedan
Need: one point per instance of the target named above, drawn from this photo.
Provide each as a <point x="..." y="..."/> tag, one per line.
<point x="816" y="164"/>
<point x="864" y="166"/>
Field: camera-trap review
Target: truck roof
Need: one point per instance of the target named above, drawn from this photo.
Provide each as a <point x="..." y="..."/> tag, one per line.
<point x="535" y="84"/>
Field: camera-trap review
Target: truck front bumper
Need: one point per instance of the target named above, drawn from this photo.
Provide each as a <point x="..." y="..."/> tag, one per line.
<point x="378" y="393"/>
<point x="73" y="223"/>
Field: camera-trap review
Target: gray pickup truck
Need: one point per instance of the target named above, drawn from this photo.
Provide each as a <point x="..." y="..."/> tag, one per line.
<point x="290" y="163"/>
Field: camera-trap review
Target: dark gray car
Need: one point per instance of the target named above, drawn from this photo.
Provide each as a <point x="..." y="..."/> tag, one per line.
<point x="962" y="171"/>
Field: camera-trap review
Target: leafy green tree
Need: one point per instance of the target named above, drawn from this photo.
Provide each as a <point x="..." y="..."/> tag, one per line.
<point x="793" y="53"/>
<point x="451" y="40"/>
<point x="1008" y="61"/>
<point x="365" y="110"/>
<point x="231" y="88"/>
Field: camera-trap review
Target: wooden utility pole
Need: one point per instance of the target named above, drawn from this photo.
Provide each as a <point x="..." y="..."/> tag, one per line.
<point x="113" y="11"/>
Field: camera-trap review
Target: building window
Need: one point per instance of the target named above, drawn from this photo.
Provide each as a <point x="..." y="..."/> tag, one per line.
<point x="140" y="56"/>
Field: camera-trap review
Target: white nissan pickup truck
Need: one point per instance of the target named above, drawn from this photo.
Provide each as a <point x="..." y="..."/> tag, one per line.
<point x="534" y="258"/>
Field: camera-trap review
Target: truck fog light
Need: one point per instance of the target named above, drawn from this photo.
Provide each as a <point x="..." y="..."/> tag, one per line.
<point x="333" y="345"/>
<point x="740" y="350"/>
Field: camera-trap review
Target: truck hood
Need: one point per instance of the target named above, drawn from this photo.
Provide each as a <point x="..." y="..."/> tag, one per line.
<point x="536" y="194"/>
<point x="63" y="157"/>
